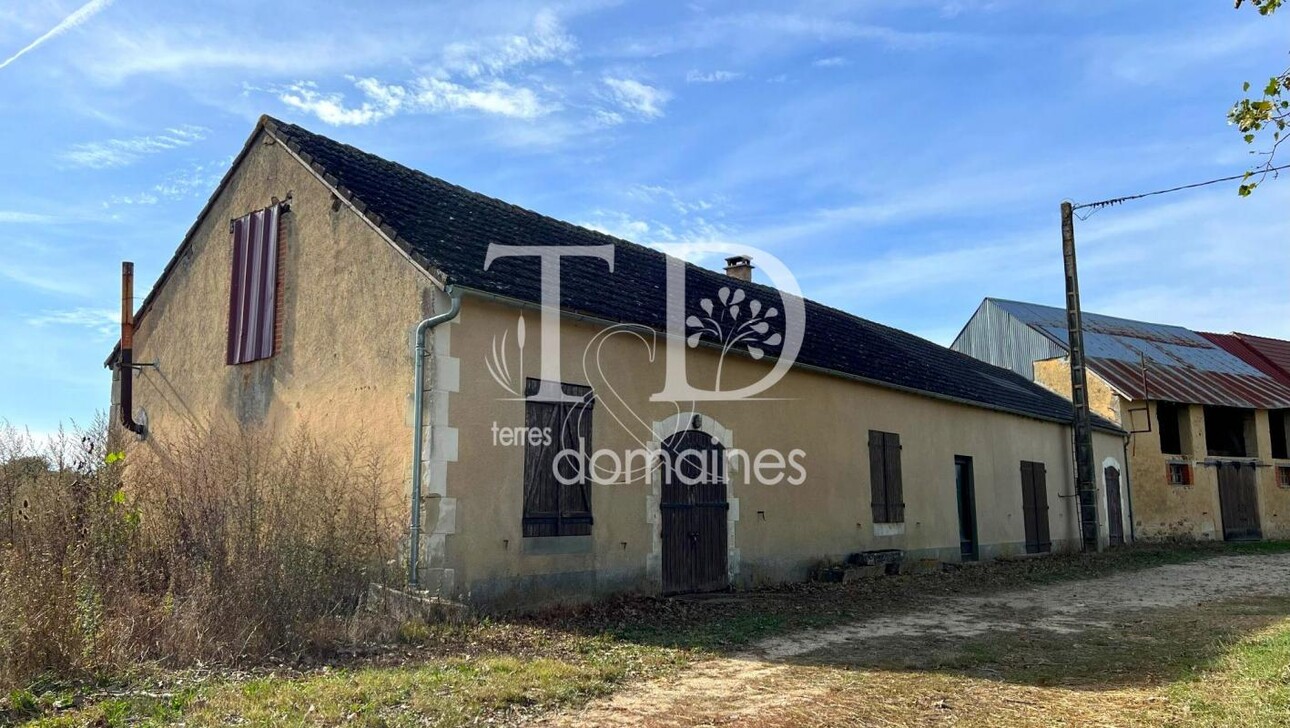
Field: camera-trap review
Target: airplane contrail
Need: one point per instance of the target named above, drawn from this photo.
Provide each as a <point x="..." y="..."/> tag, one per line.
<point x="84" y="13"/>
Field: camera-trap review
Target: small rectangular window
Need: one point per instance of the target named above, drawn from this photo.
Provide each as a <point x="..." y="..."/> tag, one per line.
<point x="557" y="477"/>
<point x="1178" y="473"/>
<point x="1283" y="476"/>
<point x="254" y="286"/>
<point x="887" y="491"/>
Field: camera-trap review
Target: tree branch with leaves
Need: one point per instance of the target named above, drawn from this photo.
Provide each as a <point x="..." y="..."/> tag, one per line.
<point x="1263" y="117"/>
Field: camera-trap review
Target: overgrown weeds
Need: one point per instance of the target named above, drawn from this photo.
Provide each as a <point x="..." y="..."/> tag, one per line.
<point x="220" y="547"/>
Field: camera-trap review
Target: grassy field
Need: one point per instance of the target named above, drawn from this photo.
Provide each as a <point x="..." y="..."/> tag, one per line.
<point x="1214" y="664"/>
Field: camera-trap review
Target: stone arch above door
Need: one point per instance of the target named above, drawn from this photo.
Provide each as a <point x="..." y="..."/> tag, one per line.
<point x="663" y="429"/>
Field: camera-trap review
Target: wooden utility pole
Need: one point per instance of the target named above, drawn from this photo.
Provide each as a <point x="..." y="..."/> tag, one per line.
<point x="1085" y="479"/>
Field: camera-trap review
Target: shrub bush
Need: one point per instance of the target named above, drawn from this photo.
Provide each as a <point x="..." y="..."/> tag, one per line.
<point x="220" y="547"/>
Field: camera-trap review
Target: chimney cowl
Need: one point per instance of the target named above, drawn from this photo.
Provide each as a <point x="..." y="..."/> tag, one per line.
<point x="739" y="267"/>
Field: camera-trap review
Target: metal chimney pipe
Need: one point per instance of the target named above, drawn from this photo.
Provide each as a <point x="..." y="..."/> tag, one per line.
<point x="125" y="361"/>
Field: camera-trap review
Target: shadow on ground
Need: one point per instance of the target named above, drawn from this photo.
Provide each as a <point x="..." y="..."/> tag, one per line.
<point x="1148" y="649"/>
<point x="729" y="623"/>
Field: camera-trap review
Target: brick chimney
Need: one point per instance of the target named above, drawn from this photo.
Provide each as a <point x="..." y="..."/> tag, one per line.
<point x="739" y="267"/>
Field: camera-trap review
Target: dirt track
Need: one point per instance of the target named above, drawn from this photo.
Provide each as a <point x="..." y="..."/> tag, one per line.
<point x="769" y="680"/>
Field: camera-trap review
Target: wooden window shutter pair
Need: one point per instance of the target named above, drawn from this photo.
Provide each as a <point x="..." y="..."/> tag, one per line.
<point x="552" y="507"/>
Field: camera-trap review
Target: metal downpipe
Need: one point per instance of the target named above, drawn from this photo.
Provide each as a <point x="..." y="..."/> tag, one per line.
<point x="418" y="424"/>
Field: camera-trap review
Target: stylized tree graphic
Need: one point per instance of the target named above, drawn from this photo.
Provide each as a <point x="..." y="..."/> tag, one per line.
<point x="725" y="327"/>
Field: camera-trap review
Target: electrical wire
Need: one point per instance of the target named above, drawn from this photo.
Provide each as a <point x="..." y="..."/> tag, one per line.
<point x="1095" y="206"/>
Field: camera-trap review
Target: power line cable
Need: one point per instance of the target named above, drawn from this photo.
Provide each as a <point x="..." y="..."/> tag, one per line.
<point x="1095" y="206"/>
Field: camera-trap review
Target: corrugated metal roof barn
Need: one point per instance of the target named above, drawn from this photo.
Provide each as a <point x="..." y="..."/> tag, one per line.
<point x="1140" y="360"/>
<point x="1271" y="356"/>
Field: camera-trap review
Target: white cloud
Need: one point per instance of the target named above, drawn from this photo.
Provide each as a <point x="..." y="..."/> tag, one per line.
<point x="831" y="62"/>
<point x="143" y="198"/>
<point x="492" y="97"/>
<point x="121" y="152"/>
<point x="81" y="14"/>
<point x="548" y="41"/>
<point x="679" y="205"/>
<point x="13" y="216"/>
<point x="757" y="33"/>
<point x="190" y="181"/>
<point x="41" y="278"/>
<point x="604" y="117"/>
<point x="426" y="95"/>
<point x="469" y="79"/>
<point x="638" y="98"/>
<point x="382" y="101"/>
<point x="195" y="179"/>
<point x="712" y="76"/>
<point x="104" y="321"/>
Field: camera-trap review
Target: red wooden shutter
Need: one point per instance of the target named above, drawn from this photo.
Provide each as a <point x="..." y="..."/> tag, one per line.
<point x="252" y="308"/>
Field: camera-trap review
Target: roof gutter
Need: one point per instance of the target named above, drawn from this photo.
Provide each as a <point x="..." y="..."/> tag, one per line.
<point x="1128" y="488"/>
<point x="418" y="424"/>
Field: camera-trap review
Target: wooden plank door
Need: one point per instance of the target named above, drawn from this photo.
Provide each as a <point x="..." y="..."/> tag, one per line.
<point x="693" y="511"/>
<point x="1034" y="506"/>
<point x="1114" y="506"/>
<point x="1239" y="501"/>
<point x="969" y="549"/>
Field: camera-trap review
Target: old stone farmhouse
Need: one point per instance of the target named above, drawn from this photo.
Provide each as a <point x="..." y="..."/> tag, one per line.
<point x="1206" y="413"/>
<point x="297" y="297"/>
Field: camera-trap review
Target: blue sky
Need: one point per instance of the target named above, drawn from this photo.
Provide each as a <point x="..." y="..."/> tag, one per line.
<point x="905" y="159"/>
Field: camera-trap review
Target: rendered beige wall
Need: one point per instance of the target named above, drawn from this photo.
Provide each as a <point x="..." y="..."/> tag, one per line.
<point x="1055" y="375"/>
<point x="1163" y="510"/>
<point x="780" y="529"/>
<point x="350" y="301"/>
<point x="345" y="371"/>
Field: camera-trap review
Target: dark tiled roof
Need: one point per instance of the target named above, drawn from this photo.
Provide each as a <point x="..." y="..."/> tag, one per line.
<point x="449" y="229"/>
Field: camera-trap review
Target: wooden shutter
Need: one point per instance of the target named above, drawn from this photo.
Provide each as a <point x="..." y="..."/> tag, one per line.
<point x="541" y="489"/>
<point x="553" y="508"/>
<point x="1028" y="505"/>
<point x="253" y="299"/>
<point x="894" y="480"/>
<point x="575" y="497"/>
<point x="1034" y="506"/>
<point x="878" y="476"/>
<point x="1041" y="507"/>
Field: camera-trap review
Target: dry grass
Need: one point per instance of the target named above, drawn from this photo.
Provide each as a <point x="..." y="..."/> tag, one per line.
<point x="1222" y="664"/>
<point x="229" y="552"/>
<point x="221" y="549"/>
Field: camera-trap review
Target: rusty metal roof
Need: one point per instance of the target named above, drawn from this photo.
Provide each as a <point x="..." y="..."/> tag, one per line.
<point x="1157" y="361"/>
<point x="1268" y="355"/>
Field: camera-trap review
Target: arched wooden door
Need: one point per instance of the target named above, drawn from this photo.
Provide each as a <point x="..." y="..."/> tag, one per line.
<point x="693" y="512"/>
<point x="1114" y="506"/>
